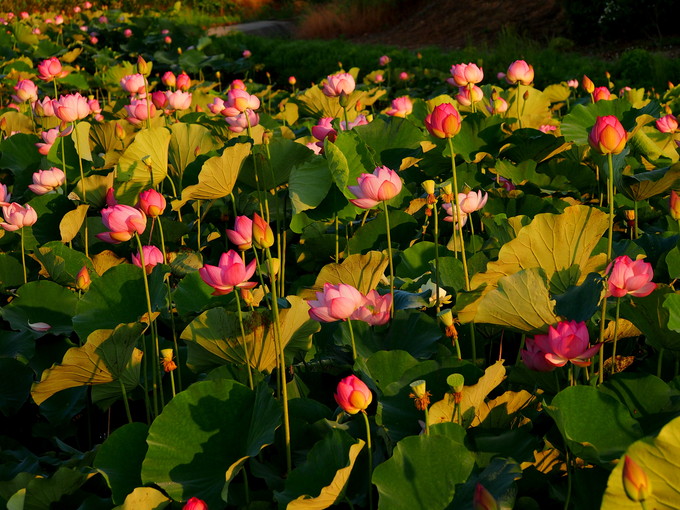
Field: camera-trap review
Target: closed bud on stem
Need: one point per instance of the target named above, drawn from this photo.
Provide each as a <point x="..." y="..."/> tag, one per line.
<point x="83" y="279"/>
<point x="142" y="67"/>
<point x="120" y="132"/>
<point x="635" y="481"/>
<point x="344" y="99"/>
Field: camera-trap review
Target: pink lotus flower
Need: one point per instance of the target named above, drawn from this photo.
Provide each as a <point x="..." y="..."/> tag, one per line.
<point x="323" y="129"/>
<point x="444" y="121"/>
<point x="632" y="277"/>
<point x="353" y="395"/>
<point x="71" y="107"/>
<point x="183" y="81"/>
<point x="292" y="80"/>
<point x="87" y="5"/>
<point x="138" y="111"/>
<point x="547" y="128"/>
<point x="242" y="235"/>
<point x="45" y="181"/>
<point x="50" y="68"/>
<point x="123" y="222"/>
<point x="195" y="504"/>
<point x="5" y="196"/>
<point x="472" y="201"/>
<point x="384" y="60"/>
<point x="359" y="120"/>
<point x="127" y="33"/>
<point x="216" y="106"/>
<point x="466" y="74"/>
<point x="468" y="96"/>
<point x="601" y="94"/>
<point x="404" y="76"/>
<point x="568" y="342"/>
<point x="159" y="99"/>
<point x="48" y="138"/>
<point x="667" y="124"/>
<point x="533" y="357"/>
<point x="43" y="108"/>
<point x="239" y="123"/>
<point x="17" y="216"/>
<point x="335" y="303"/>
<point x="497" y="105"/>
<point x="572" y="83"/>
<point x="133" y="84"/>
<point x="379" y="78"/>
<point x="339" y="83"/>
<point x="25" y="90"/>
<point x="167" y="39"/>
<point x="449" y="210"/>
<point x="375" y="310"/>
<point x="237" y="84"/>
<point x="238" y="101"/>
<point x="151" y="202"/>
<point x="179" y="100"/>
<point x="520" y="71"/>
<point x="169" y="79"/>
<point x="483" y="500"/>
<point x="247" y="54"/>
<point x="401" y="107"/>
<point x="382" y="184"/>
<point x="152" y="257"/>
<point x="608" y="135"/>
<point x="110" y="198"/>
<point x="230" y="273"/>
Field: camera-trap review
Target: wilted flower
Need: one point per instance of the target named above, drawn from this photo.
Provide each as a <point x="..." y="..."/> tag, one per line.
<point x="353" y="395"/>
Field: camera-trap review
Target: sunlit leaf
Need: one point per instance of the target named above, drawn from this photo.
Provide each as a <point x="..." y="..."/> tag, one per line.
<point x="143" y="164"/>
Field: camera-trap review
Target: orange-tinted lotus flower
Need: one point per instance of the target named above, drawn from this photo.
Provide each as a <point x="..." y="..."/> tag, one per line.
<point x="17" y="216"/>
<point x="608" y="135"/>
<point x="587" y="84"/>
<point x="230" y="273"/>
<point x="675" y="205"/>
<point x="627" y="276"/>
<point x="71" y="107"/>
<point x="123" y="221"/>
<point x="482" y="499"/>
<point x="401" y="107"/>
<point x="339" y="83"/>
<point x="151" y="202"/>
<point x="520" y="72"/>
<point x="263" y="237"/>
<point x="382" y="184"/>
<point x="466" y="96"/>
<point x="335" y="303"/>
<point x="466" y="74"/>
<point x="238" y="101"/>
<point x="602" y="94"/>
<point x="195" y="504"/>
<point x="169" y="79"/>
<point x="636" y="483"/>
<point x="83" y="280"/>
<point x="152" y="257"/>
<point x="444" y="121"/>
<point x="667" y="124"/>
<point x="183" y="81"/>
<point x="353" y="395"/>
<point x="25" y="91"/>
<point x="242" y="235"/>
<point x="472" y="201"/>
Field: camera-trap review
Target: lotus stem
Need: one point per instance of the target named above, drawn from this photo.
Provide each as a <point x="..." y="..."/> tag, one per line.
<point x="125" y="400"/>
<point x="243" y="337"/>
<point x="370" y="460"/>
<point x="198" y="226"/>
<point x="610" y="200"/>
<point x="389" y="255"/>
<point x="569" y="470"/>
<point x="436" y="256"/>
<point x="616" y="333"/>
<point x="635" y="219"/>
<point x="351" y="335"/>
<point x="23" y="255"/>
<point x="659" y="363"/>
<point x="337" y="239"/>
<point x="82" y="182"/>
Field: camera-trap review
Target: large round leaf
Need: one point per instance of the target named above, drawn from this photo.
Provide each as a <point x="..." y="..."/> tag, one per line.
<point x="15" y="385"/>
<point x="62" y="263"/>
<point x="422" y="473"/>
<point x="186" y="142"/>
<point x="200" y="441"/>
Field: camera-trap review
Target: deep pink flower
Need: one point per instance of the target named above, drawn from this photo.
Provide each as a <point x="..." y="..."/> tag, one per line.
<point x="152" y="257"/>
<point x="401" y="107"/>
<point x="382" y="184"/>
<point x="384" y="60"/>
<point x="195" y="504"/>
<point x="247" y="54"/>
<point x="183" y="81"/>
<point x="45" y="181"/>
<point x="667" y="124"/>
<point x="375" y="310"/>
<point x="323" y="129"/>
<point x="16" y="216"/>
<point x="123" y="221"/>
<point x="242" y="235"/>
<point x="230" y="273"/>
<point x="466" y="74"/>
<point x="627" y="276"/>
<point x="533" y="357"/>
<point x="601" y="94"/>
<point x="483" y="499"/>
<point x="335" y="303"/>
<point x="127" y="33"/>
<point x="71" y="107"/>
<point x="353" y="395"/>
<point x="159" y="99"/>
<point x="608" y="135"/>
<point x="520" y="71"/>
<point x="237" y="84"/>
<point x="50" y="68"/>
<point x="151" y="202"/>
<point x="568" y="342"/>
<point x="339" y="83"/>
<point x="444" y="121"/>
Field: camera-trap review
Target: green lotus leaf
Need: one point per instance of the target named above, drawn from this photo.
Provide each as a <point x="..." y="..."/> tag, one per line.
<point x="529" y="105"/>
<point x="659" y="458"/>
<point x="186" y="142"/>
<point x="308" y="184"/>
<point x="15" y="385"/>
<point x="40" y="492"/>
<point x="275" y="162"/>
<point x="144" y="498"/>
<point x="657" y="316"/>
<point x="81" y="140"/>
<point x="204" y="436"/>
<point x="644" y="185"/>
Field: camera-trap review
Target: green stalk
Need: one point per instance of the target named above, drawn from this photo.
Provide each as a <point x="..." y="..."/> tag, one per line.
<point x="337" y="239"/>
<point x="635" y="219"/>
<point x="603" y="313"/>
<point x="23" y="255"/>
<point x="616" y="333"/>
<point x="370" y="460"/>
<point x="389" y="253"/>
<point x="569" y="470"/>
<point x="243" y="336"/>
<point x="257" y="178"/>
<point x="659" y="364"/>
<point x="125" y="400"/>
<point x="610" y="198"/>
<point x="351" y="335"/>
<point x="82" y="181"/>
<point x="472" y="103"/>
<point x="198" y="225"/>
<point x="436" y="256"/>
<point x="427" y="422"/>
<point x="282" y="372"/>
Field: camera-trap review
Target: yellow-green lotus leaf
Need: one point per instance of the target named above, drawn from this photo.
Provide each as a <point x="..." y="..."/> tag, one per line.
<point x="532" y="107"/>
<point x="146" y="157"/>
<point x="144" y="498"/>
<point x="81" y="140"/>
<point x="186" y="143"/>
<point x="70" y="224"/>
<point x="659" y="458"/>
<point x="557" y="92"/>
<point x="314" y="103"/>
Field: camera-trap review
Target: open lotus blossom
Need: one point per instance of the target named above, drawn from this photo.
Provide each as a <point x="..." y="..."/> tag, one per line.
<point x="238" y="101"/>
<point x="151" y="202"/>
<point x="324" y="128"/>
<point x="25" y="91"/>
<point x="240" y="122"/>
<point x="179" y="100"/>
<point x="183" y="82"/>
<point x="17" y="216"/>
<point x="533" y="357"/>
<point x="353" y="395"/>
<point x="375" y="310"/>
<point x="632" y="277"/>
<point x="138" y="111"/>
<point x="339" y="83"/>
<point x="444" y="121"/>
<point x="43" y="108"/>
<point x="50" y="68"/>
<point x="45" y="181"/>
<point x="472" y="201"/>
<point x="133" y="83"/>
<point x="335" y="303"/>
<point x="449" y="210"/>
<point x="401" y="107"/>
<point x="359" y="120"/>
<point x="48" y="138"/>
<point x="152" y="257"/>
<point x="195" y="504"/>
<point x="547" y="128"/>
<point x="382" y="184"/>
<point x="71" y="107"/>
<point x="573" y="83"/>
<point x="520" y="72"/>
<point x="123" y="222"/>
<point x="466" y="74"/>
<point x="602" y="94"/>
<point x="5" y="196"/>
<point x="608" y="136"/>
<point x="467" y="96"/>
<point x="242" y="234"/>
<point x="230" y="273"/>
<point x="667" y="124"/>
<point x="568" y="342"/>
